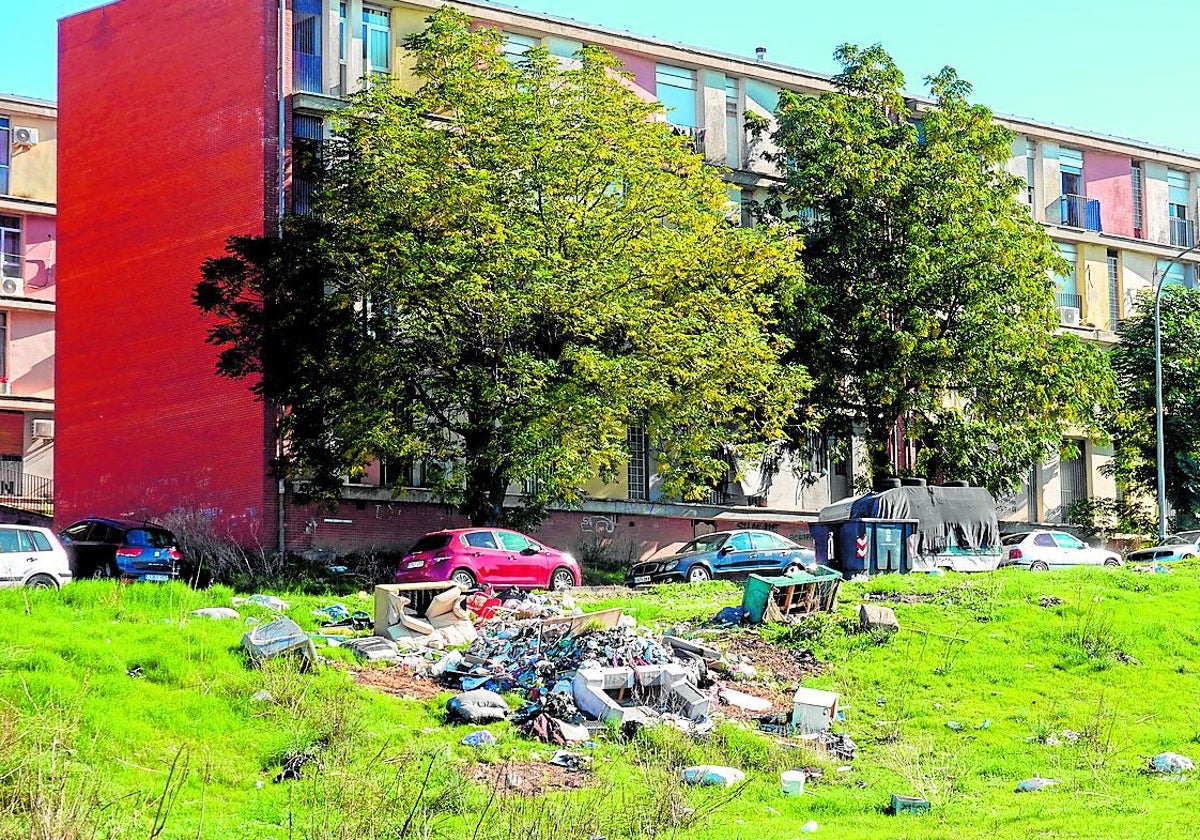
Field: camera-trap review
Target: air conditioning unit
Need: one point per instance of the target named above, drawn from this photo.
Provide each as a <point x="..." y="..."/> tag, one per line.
<point x="1068" y="316"/>
<point x="43" y="429"/>
<point x="12" y="286"/>
<point x="24" y="136"/>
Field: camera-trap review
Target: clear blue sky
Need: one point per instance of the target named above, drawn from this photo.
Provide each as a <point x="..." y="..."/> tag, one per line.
<point x="1102" y="65"/>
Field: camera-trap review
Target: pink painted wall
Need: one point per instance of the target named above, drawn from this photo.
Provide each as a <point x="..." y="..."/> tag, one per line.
<point x="1108" y="178"/>
<point x="40" y="254"/>
<point x="31" y="353"/>
<point x="642" y="68"/>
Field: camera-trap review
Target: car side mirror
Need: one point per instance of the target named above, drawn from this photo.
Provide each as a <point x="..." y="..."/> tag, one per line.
<point x="529" y="551"/>
<point x="726" y="549"/>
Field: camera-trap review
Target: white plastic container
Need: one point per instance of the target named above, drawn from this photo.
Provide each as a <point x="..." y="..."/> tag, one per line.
<point x="792" y="782"/>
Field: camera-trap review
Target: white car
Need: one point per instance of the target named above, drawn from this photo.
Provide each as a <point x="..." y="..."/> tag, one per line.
<point x="1182" y="546"/>
<point x="1042" y="550"/>
<point x="32" y="556"/>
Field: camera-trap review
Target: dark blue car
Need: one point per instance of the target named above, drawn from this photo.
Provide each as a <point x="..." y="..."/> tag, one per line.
<point x="724" y="554"/>
<point x="121" y="548"/>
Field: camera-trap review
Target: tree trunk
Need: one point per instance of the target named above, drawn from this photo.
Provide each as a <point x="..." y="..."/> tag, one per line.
<point x="879" y="436"/>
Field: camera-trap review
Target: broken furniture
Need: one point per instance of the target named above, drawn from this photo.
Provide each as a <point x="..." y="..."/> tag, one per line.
<point x="427" y="615"/>
<point x="277" y="637"/>
<point x="774" y="598"/>
<point x="634" y="693"/>
<point x="813" y="710"/>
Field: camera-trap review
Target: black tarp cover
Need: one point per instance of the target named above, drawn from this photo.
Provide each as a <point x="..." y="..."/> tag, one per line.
<point x="947" y="516"/>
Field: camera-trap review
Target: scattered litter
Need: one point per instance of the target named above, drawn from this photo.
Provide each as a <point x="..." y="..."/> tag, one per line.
<point x="953" y="724"/>
<point x="481" y="738"/>
<point x="271" y="602"/>
<point x="839" y="745"/>
<point x="712" y="775"/>
<point x="217" y="612"/>
<point x="373" y="648"/>
<point x="792" y="782"/>
<point x="873" y="617"/>
<point x="730" y="615"/>
<point x="987" y="724"/>
<point x="293" y="767"/>
<point x="136" y="672"/>
<point x="909" y="805"/>
<point x="1035" y="784"/>
<point x="814" y="710"/>
<point x="570" y="760"/>
<point x="743" y="701"/>
<point x="262" y="696"/>
<point x="1070" y="735"/>
<point x="333" y="613"/>
<point x="478" y="706"/>
<point x="279" y="636"/>
<point x="743" y="671"/>
<point x="1170" y="762"/>
<point x="1048" y="601"/>
<point x="937" y="573"/>
<point x="809" y="827"/>
<point x="779" y="598"/>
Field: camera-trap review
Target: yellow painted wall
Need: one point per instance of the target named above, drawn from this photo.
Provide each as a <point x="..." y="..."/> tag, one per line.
<point x="618" y="489"/>
<point x="1137" y="273"/>
<point x="405" y="22"/>
<point x="1093" y="285"/>
<point x="33" y="173"/>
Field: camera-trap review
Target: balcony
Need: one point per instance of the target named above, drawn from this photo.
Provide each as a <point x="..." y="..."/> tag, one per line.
<point x="1079" y="211"/>
<point x="31" y="493"/>
<point x="696" y="135"/>
<point x="1068" y="299"/>
<point x="1183" y="232"/>
<point x="306" y="73"/>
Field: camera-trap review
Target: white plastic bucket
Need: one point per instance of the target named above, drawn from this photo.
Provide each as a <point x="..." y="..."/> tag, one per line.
<point x="792" y="782"/>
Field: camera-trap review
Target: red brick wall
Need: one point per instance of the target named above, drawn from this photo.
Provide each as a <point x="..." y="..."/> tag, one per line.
<point x="368" y="525"/>
<point x="166" y="148"/>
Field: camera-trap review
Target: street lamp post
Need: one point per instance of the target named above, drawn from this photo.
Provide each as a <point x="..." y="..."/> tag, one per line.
<point x="1158" y="392"/>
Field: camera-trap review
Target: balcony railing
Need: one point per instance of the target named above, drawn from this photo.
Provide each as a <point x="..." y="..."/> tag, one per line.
<point x="1080" y="211"/>
<point x="696" y="135"/>
<point x="1068" y="299"/>
<point x="306" y="73"/>
<point x="1183" y="232"/>
<point x="27" y="492"/>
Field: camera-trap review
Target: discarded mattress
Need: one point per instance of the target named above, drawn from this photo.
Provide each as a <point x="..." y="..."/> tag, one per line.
<point x="277" y="637"/>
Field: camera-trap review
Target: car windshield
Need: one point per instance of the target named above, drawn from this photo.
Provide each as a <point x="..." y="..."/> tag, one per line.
<point x="709" y="542"/>
<point x="1186" y="538"/>
<point x="430" y="542"/>
<point x="1013" y="539"/>
<point x="150" y="538"/>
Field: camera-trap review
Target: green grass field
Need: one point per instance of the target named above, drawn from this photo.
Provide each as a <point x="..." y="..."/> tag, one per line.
<point x="180" y="749"/>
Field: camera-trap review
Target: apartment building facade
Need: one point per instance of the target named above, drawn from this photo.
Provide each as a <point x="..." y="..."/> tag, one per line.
<point x="28" y="129"/>
<point x="228" y="157"/>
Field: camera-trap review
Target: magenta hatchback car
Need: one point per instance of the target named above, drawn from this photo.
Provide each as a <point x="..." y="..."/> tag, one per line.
<point x="493" y="556"/>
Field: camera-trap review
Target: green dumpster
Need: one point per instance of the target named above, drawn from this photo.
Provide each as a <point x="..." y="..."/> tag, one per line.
<point x="798" y="594"/>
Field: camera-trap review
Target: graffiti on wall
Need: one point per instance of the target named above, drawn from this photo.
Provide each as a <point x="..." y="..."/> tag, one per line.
<point x="598" y="524"/>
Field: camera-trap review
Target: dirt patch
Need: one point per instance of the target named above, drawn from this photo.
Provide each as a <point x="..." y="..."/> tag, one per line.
<point x="530" y="779"/>
<point x="400" y="681"/>
<point x="900" y="597"/>
<point x="779" y="671"/>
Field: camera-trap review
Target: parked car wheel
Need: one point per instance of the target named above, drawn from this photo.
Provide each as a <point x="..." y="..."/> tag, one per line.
<point x="42" y="582"/>
<point x="463" y="578"/>
<point x="1038" y="566"/>
<point x="1187" y="557"/>
<point x="101" y="573"/>
<point x="699" y="574"/>
<point x="1111" y="562"/>
<point x="562" y="579"/>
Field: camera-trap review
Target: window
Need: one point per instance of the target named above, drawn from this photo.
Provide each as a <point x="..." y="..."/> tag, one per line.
<point x="1176" y="272"/>
<point x="1114" y="288"/>
<point x="307" y="132"/>
<point x="1070" y="164"/>
<point x="5" y="153"/>
<point x="733" y="126"/>
<point x="10" y="541"/>
<point x="40" y="543"/>
<point x="377" y="41"/>
<point x="1135" y="175"/>
<point x="513" y="542"/>
<point x="1030" y="169"/>
<point x="1178" y="201"/>
<point x="1068" y="290"/>
<point x="10" y="247"/>
<point x="150" y="538"/>
<point x="739" y="542"/>
<point x="1074" y="477"/>
<point x="676" y="90"/>
<point x="4" y="344"/>
<point x="515" y="46"/>
<point x="77" y="532"/>
<point x="764" y="541"/>
<point x="1044" y="540"/>
<point x="430" y="542"/>
<point x="342" y="33"/>
<point x="1067" y="541"/>
<point x="306" y="46"/>
<point x="480" y="539"/>
<point x="638" y="470"/>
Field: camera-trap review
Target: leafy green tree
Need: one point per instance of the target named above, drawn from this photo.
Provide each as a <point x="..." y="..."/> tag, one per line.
<point x="929" y="294"/>
<point x="508" y="265"/>
<point x="1135" y="435"/>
